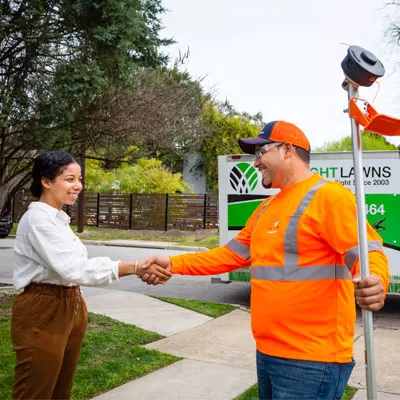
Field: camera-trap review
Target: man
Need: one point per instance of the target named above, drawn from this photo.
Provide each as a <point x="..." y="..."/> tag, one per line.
<point x="302" y="247"/>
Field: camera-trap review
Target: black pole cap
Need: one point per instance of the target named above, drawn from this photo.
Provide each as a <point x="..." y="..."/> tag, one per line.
<point x="361" y="66"/>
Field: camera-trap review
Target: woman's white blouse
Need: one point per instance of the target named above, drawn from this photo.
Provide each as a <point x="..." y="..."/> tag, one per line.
<point x="47" y="251"/>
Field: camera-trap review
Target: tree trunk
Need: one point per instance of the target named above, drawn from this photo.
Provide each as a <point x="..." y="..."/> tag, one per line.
<point x="81" y="199"/>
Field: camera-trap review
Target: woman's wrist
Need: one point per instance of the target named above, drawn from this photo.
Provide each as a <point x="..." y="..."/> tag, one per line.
<point x="126" y="268"/>
<point x="138" y="264"/>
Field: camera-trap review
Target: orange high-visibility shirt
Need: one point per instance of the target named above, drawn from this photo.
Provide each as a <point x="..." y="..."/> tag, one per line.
<point x="302" y="247"/>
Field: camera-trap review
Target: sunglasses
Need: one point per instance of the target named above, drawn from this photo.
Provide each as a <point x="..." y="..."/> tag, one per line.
<point x="265" y="149"/>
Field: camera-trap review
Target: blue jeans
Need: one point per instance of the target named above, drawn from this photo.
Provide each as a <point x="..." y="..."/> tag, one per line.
<point x="283" y="378"/>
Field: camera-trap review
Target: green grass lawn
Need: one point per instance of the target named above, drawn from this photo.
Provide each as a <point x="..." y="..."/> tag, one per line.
<point x="208" y="308"/>
<point x="210" y="242"/>
<point x="7" y="359"/>
<point x="252" y="393"/>
<point x="189" y="239"/>
<point x="110" y="356"/>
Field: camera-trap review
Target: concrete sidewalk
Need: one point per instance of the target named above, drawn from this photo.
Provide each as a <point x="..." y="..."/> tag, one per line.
<point x="218" y="354"/>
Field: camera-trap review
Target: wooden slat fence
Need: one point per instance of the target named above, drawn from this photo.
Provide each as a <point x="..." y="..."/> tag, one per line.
<point x="139" y="211"/>
<point x="211" y="211"/>
<point x="186" y="212"/>
<point x="149" y="211"/>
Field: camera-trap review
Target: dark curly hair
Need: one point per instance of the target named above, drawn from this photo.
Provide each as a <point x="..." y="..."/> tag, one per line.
<point x="49" y="165"/>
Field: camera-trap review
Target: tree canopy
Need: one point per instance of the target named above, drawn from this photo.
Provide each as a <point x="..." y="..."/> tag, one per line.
<point x="159" y="115"/>
<point x="146" y="176"/>
<point x="57" y="59"/>
<point x="370" y="141"/>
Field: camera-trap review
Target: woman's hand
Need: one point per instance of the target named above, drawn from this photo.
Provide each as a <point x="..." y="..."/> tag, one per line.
<point x="155" y="270"/>
<point x="156" y="263"/>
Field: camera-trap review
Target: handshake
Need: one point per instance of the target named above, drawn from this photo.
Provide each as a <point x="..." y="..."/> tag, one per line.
<point x="154" y="270"/>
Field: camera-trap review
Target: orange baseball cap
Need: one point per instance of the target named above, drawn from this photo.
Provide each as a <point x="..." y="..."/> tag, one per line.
<point x="276" y="132"/>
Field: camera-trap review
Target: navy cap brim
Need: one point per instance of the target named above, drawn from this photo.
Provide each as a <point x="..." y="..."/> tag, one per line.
<point x="248" y="145"/>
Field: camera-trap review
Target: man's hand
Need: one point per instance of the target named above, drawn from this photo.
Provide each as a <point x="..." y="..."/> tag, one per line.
<point x="369" y="292"/>
<point x="156" y="263"/>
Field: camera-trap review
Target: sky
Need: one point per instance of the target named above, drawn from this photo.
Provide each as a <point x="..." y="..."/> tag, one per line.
<point x="283" y="57"/>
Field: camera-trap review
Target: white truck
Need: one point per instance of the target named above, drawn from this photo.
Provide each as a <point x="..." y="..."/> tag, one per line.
<point x="241" y="191"/>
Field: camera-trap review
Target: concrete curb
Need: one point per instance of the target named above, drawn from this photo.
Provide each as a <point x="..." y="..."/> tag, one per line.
<point x="144" y="244"/>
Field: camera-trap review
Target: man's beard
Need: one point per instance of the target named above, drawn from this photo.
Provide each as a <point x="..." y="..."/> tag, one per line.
<point x="267" y="180"/>
<point x="269" y="186"/>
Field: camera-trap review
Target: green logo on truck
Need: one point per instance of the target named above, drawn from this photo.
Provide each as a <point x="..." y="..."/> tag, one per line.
<point x="243" y="178"/>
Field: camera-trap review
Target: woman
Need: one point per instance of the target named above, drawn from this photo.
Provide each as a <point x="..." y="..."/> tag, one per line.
<point x="49" y="318"/>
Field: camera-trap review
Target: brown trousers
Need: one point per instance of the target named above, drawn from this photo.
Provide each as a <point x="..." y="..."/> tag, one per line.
<point x="47" y="329"/>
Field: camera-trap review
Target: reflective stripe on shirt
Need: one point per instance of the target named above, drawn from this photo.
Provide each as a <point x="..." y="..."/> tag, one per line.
<point x="352" y="255"/>
<point x="239" y="248"/>
<point x="306" y="273"/>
